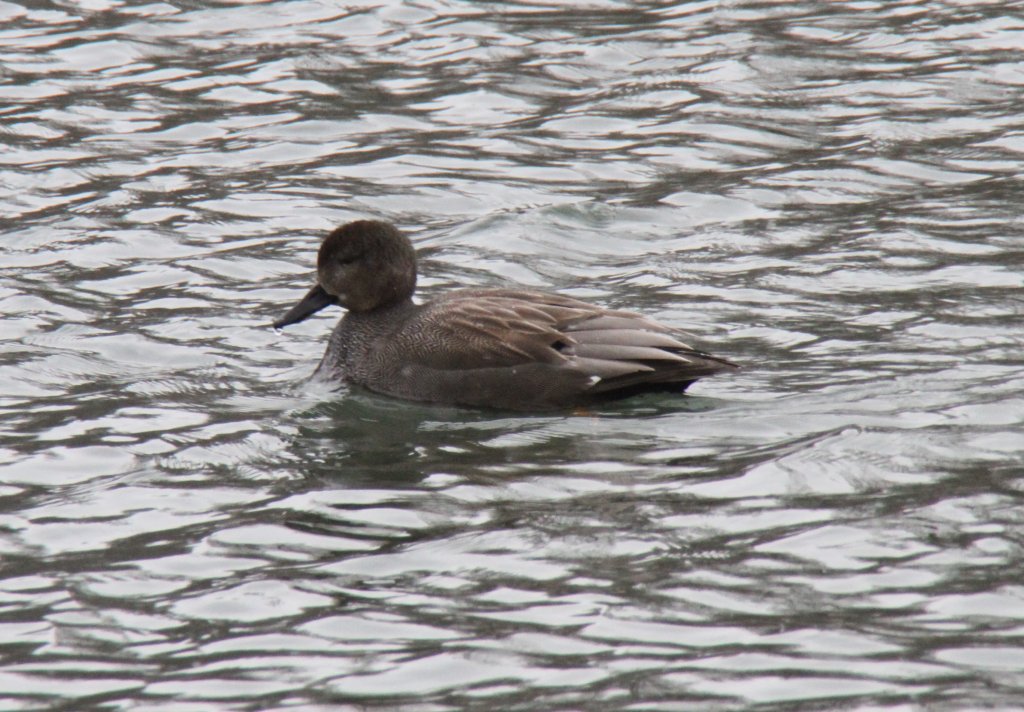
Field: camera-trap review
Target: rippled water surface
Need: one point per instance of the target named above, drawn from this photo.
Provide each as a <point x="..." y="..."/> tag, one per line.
<point x="828" y="193"/>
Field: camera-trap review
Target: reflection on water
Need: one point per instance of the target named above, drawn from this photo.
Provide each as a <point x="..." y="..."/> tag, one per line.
<point x="826" y="193"/>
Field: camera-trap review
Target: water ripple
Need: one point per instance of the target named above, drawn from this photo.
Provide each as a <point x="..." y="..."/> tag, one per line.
<point x="826" y="195"/>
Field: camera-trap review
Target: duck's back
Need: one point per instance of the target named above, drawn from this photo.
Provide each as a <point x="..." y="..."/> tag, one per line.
<point x="516" y="349"/>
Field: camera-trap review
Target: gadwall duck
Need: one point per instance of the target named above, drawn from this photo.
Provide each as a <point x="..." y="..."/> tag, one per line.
<point x="500" y="348"/>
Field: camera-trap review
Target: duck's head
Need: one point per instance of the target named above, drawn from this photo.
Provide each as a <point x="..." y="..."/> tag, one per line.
<point x="363" y="265"/>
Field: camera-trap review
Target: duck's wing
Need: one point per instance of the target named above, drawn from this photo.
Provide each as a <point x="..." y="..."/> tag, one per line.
<point x="495" y="328"/>
<point x="629" y="352"/>
<point x="566" y="348"/>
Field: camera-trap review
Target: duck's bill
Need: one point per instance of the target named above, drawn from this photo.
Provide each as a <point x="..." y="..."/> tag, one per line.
<point x="310" y="304"/>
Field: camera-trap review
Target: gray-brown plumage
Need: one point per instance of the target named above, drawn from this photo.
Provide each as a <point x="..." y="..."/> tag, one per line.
<point x="501" y="348"/>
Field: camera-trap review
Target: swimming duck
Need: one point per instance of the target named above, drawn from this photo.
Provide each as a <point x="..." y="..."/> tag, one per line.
<point x="513" y="349"/>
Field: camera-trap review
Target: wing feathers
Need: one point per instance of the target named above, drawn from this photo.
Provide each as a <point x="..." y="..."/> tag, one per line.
<point x="628" y="337"/>
<point x="616" y="352"/>
<point x="503" y="330"/>
<point x="606" y="369"/>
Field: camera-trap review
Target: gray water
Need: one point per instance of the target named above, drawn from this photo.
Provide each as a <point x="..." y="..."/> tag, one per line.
<point x="828" y="193"/>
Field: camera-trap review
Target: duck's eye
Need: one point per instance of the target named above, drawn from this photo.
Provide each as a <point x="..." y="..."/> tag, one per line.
<point x="347" y="259"/>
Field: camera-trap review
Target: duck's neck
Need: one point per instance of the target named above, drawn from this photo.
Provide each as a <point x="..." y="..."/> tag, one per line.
<point x="381" y="318"/>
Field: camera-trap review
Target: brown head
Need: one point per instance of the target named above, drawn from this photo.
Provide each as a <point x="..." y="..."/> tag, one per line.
<point x="362" y="266"/>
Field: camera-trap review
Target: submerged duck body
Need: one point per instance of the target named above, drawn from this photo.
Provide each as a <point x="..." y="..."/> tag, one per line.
<point x="500" y="348"/>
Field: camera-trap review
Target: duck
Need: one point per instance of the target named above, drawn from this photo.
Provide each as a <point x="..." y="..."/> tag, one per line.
<point x="496" y="348"/>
